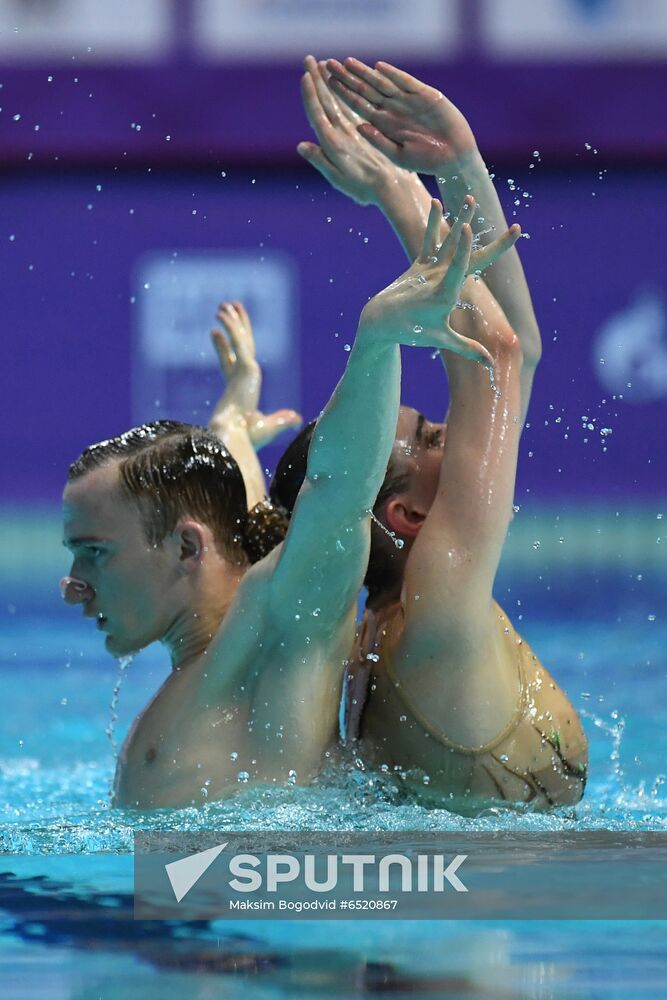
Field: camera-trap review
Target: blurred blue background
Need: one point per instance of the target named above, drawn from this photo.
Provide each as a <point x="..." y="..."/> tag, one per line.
<point x="148" y="172"/>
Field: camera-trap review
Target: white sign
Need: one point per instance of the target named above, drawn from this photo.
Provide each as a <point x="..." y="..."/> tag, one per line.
<point x="288" y="29"/>
<point x="575" y="29"/>
<point x="88" y="29"/>
<point x="175" y="368"/>
<point x="630" y="351"/>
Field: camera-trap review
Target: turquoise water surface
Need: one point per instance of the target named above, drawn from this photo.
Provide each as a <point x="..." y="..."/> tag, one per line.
<point x="66" y="882"/>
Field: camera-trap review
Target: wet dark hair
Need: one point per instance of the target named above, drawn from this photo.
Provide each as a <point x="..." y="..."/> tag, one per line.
<point x="288" y="479"/>
<point x="172" y="470"/>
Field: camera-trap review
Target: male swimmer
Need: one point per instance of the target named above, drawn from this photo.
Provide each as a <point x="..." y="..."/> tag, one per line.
<point x="156" y="520"/>
<point x="452" y="697"/>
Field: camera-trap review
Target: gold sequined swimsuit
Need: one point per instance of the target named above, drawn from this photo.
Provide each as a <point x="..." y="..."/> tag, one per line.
<point x="539" y="757"/>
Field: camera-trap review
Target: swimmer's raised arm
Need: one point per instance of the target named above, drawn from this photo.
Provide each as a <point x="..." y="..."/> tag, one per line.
<point x="418" y="128"/>
<point x="236" y="419"/>
<point x="323" y="559"/>
<point x="450" y="570"/>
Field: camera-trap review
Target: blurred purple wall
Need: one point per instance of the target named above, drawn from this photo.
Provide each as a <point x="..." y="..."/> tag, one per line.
<point x="68" y="316"/>
<point x="68" y="251"/>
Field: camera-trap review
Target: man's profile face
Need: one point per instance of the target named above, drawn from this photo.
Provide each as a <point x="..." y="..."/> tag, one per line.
<point x="129" y="583"/>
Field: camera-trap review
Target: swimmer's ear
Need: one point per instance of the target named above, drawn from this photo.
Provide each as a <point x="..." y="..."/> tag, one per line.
<point x="191" y="542"/>
<point x="403" y="517"/>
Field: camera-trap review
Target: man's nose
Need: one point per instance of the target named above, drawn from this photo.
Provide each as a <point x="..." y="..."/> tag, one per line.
<point x="75" y="591"/>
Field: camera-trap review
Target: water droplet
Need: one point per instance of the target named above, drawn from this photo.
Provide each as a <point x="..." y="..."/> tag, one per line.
<point x="347" y="348"/>
<point x="291" y="777"/>
<point x="233" y="755"/>
<point x="243" y="777"/>
<point x="536" y="544"/>
<point x="495" y="388"/>
<point x="417" y="329"/>
<point x="16" y="118"/>
<point x="402" y="718"/>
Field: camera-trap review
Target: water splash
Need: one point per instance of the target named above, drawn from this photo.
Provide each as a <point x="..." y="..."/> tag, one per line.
<point x="123" y="664"/>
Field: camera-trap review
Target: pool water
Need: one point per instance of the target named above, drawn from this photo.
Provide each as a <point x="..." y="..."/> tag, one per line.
<point x="66" y="927"/>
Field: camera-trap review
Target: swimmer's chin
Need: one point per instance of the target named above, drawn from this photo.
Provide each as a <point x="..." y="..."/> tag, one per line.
<point x="118" y="649"/>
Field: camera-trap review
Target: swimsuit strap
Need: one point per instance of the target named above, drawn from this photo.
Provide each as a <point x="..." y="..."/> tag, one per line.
<point x="440" y="736"/>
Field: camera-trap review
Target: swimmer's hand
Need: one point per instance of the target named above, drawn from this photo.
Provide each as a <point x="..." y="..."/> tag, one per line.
<point x="344" y="157"/>
<point x="415" y="308"/>
<point x="413" y="124"/>
<point x="239" y="403"/>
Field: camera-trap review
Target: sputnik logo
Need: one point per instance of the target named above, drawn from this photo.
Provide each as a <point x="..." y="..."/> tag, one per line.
<point x="185" y="873"/>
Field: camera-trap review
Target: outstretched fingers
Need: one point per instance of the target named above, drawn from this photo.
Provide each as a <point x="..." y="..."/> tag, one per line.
<point x="316" y="156"/>
<point x="318" y="93"/>
<point x="467" y="348"/>
<point x="379" y="85"/>
<point x="364" y="100"/>
<point x="264" y="427"/>
<point x="345" y="112"/>
<point x="483" y="258"/>
<point x="357" y="77"/>
<point x="391" y="149"/>
<point x="431" y="241"/>
<point x="465" y="215"/>
<point x="458" y="268"/>
<point x="236" y="322"/>
<point x="402" y="80"/>
<point x="315" y="113"/>
<point x="223" y="349"/>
